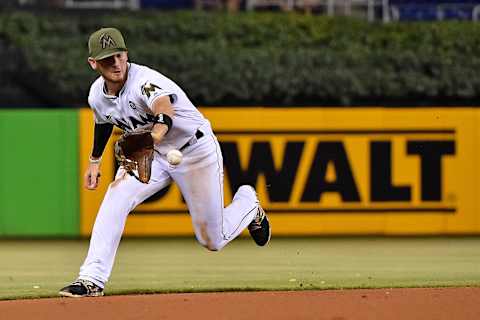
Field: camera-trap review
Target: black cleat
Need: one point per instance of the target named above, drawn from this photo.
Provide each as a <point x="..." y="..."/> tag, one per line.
<point x="81" y="288"/>
<point x="259" y="228"/>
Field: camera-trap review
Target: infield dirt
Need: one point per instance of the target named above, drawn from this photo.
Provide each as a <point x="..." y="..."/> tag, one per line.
<point x="388" y="304"/>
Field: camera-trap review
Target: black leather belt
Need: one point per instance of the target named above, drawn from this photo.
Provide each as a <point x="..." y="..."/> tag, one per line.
<point x="193" y="140"/>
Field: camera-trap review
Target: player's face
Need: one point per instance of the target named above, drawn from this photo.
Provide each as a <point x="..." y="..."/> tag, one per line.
<point x="114" y="68"/>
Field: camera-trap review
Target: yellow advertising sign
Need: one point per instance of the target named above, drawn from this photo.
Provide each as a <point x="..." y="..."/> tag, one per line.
<point x="330" y="171"/>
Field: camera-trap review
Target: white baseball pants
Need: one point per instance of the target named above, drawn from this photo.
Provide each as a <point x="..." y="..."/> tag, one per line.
<point x="200" y="179"/>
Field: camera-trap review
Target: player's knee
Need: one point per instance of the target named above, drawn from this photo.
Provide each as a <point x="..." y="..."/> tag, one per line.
<point x="209" y="248"/>
<point x="214" y="246"/>
<point x="210" y="244"/>
<point x="208" y="237"/>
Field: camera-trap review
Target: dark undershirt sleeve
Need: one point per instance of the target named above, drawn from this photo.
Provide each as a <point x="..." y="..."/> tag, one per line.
<point x="102" y="133"/>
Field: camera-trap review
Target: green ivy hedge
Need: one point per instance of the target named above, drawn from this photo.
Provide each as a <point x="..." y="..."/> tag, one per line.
<point x="249" y="58"/>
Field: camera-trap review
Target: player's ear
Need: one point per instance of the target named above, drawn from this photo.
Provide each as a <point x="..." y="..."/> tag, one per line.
<point x="92" y="63"/>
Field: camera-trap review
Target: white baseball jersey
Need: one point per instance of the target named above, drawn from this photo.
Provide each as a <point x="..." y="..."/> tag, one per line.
<point x="132" y="108"/>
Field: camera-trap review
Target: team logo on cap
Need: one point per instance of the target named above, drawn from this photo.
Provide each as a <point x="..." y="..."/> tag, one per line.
<point x="107" y="41"/>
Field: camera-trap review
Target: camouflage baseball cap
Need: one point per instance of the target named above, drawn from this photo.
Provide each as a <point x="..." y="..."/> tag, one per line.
<point x="105" y="42"/>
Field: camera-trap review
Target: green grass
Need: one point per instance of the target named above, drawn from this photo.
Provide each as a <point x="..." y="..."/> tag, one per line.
<point x="39" y="268"/>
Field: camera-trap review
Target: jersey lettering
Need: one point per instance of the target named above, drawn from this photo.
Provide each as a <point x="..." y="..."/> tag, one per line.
<point x="144" y="120"/>
<point x="119" y="123"/>
<point x="135" y="122"/>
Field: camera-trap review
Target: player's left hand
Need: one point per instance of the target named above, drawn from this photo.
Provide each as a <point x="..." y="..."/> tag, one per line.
<point x="134" y="152"/>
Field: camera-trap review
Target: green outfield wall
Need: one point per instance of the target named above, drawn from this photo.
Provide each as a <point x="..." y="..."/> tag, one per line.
<point x="317" y="171"/>
<point x="39" y="173"/>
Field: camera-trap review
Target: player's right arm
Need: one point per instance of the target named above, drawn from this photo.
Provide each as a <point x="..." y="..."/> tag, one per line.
<point x="102" y="133"/>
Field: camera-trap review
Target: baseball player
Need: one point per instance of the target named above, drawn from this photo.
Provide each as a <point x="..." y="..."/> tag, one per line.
<point x="134" y="97"/>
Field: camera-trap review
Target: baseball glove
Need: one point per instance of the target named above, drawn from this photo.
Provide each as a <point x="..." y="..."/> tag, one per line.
<point x="134" y="152"/>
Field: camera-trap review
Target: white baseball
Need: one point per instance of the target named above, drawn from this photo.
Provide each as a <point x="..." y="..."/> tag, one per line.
<point x="174" y="157"/>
